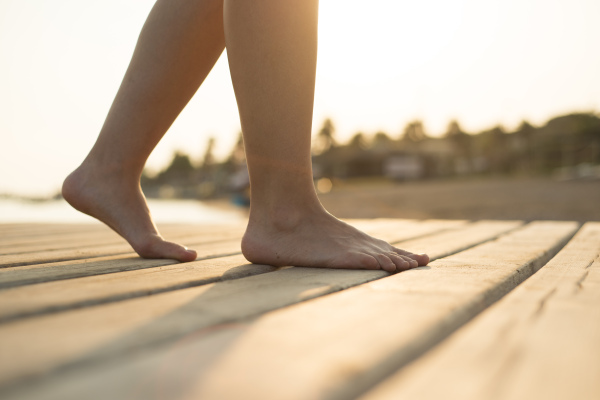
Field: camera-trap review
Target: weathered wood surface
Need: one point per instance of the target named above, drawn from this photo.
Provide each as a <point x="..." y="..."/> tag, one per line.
<point x="116" y="326"/>
<point x="337" y="346"/>
<point x="62" y="295"/>
<point x="193" y="236"/>
<point x="542" y="341"/>
<point x="43" y="233"/>
<point x="103" y="238"/>
<point x="90" y="335"/>
<point x="390" y="230"/>
<point x="104" y="248"/>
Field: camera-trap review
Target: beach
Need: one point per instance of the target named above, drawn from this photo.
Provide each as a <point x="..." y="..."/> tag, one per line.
<point x="473" y="199"/>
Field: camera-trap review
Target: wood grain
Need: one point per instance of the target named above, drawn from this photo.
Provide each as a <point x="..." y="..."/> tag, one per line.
<point x="391" y="230"/>
<point x="27" y="231"/>
<point x="192" y="234"/>
<point x="75" y="339"/>
<point x="542" y="341"/>
<point x="373" y="329"/>
<point x="72" y="293"/>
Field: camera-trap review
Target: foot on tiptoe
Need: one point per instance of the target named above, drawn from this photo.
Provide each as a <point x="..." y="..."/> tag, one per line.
<point x="120" y="204"/>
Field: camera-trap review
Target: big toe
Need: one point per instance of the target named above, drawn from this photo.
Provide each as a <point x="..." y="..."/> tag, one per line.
<point x="422" y="259"/>
<point x="159" y="248"/>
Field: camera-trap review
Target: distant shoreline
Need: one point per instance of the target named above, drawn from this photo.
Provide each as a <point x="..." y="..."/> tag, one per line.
<point x="499" y="198"/>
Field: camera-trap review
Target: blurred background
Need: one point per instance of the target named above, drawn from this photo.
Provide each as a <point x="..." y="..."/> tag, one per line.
<point x="430" y="109"/>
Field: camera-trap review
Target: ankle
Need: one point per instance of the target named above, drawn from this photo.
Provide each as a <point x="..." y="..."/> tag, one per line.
<point x="284" y="217"/>
<point x="109" y="172"/>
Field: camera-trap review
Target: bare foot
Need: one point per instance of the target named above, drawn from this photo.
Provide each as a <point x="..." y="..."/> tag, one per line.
<point x="122" y="206"/>
<point x="318" y="239"/>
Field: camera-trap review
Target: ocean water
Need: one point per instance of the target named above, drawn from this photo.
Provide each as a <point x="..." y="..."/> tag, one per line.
<point x="165" y="211"/>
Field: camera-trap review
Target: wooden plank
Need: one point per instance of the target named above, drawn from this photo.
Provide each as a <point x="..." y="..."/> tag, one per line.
<point x="36" y="273"/>
<point x="53" y="242"/>
<point x="56" y="255"/>
<point x="76" y="338"/>
<point x="37" y="233"/>
<point x="108" y="236"/>
<point x="69" y="242"/>
<point x="40" y="230"/>
<point x="46" y="256"/>
<point x="87" y="234"/>
<point x="54" y="296"/>
<point x="94" y="251"/>
<point x="30" y="234"/>
<point x="23" y="230"/>
<point x="343" y="343"/>
<point x="64" y="241"/>
<point x="453" y="241"/>
<point x="62" y="295"/>
<point x="101" y="233"/>
<point x="81" y="266"/>
<point x="394" y="230"/>
<point x="6" y="228"/>
<point x="541" y="341"/>
<point x="74" y="238"/>
<point x="81" y="292"/>
<point x="340" y="344"/>
<point x="205" y="250"/>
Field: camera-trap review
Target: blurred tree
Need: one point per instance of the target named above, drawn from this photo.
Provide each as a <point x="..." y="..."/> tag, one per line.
<point x="525" y="153"/>
<point x="572" y="124"/>
<point x="325" y="138"/>
<point x="525" y="130"/>
<point x="238" y="153"/>
<point x="414" y="132"/>
<point x="181" y="163"/>
<point x="358" y="142"/>
<point x="570" y="139"/>
<point x="381" y="141"/>
<point x="495" y="149"/>
<point x="460" y="140"/>
<point x="209" y="160"/>
<point x="180" y="170"/>
<point x="454" y="129"/>
<point x="146" y="179"/>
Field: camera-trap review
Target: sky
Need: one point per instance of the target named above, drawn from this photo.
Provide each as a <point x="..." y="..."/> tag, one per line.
<point x="381" y="64"/>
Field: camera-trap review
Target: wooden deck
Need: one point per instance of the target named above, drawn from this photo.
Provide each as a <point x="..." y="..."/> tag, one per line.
<point x="506" y="310"/>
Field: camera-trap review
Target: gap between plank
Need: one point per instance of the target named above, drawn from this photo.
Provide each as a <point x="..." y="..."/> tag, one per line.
<point x="5" y="316"/>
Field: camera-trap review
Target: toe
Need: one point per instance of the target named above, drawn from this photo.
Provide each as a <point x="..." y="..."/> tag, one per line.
<point x="186" y="255"/>
<point x="158" y="248"/>
<point x="177" y="252"/>
<point x="401" y="264"/>
<point x="411" y="261"/>
<point x="421" y="259"/>
<point x="385" y="263"/>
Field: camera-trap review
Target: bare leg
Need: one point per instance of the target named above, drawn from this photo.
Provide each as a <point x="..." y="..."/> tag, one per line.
<point x="272" y="51"/>
<point x="178" y="46"/>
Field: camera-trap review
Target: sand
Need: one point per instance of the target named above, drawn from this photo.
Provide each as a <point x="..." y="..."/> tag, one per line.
<point x="491" y="198"/>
